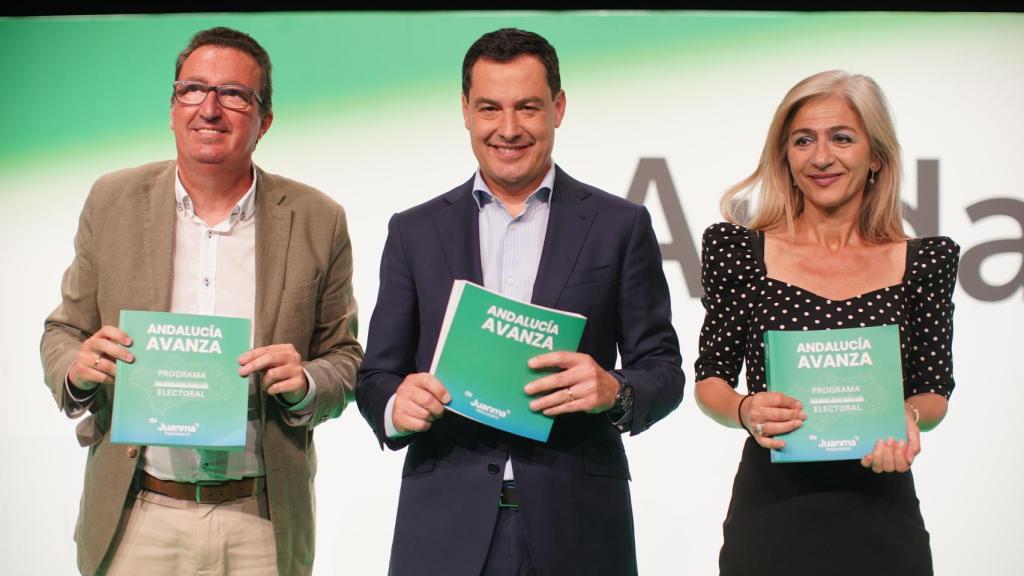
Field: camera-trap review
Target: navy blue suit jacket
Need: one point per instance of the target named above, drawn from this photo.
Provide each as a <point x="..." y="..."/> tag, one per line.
<point x="600" y="259"/>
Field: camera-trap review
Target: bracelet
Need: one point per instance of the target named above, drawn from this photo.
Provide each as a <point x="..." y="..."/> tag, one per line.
<point x="917" y="415"/>
<point x="739" y="414"/>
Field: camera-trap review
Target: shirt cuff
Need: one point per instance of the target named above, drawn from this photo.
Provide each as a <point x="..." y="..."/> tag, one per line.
<point x="78" y="400"/>
<point x="303" y="404"/>
<point x="389" y="423"/>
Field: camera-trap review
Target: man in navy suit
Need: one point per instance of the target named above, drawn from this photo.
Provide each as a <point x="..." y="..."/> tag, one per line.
<point x="475" y="500"/>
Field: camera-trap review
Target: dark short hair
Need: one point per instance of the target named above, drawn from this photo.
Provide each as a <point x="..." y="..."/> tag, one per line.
<point x="507" y="44"/>
<point x="231" y="38"/>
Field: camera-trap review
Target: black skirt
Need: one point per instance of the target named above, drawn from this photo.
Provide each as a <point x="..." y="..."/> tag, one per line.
<point x="835" y="518"/>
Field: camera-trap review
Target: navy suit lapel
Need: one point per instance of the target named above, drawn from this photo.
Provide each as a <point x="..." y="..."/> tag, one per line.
<point x="458" y="227"/>
<point x="568" y="224"/>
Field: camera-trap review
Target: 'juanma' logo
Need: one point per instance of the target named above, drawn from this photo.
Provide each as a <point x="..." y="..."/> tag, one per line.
<point x="488" y="410"/>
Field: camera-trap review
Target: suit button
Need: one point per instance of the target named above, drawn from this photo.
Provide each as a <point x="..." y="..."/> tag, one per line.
<point x="493" y="468"/>
<point x="133" y="451"/>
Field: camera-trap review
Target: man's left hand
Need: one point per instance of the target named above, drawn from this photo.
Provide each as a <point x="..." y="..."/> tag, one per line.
<point x="281" y="365"/>
<point x="581" y="386"/>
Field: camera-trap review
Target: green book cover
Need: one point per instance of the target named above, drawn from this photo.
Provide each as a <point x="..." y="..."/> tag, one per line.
<point x="481" y="356"/>
<point x="850" y="382"/>
<point x="183" y="390"/>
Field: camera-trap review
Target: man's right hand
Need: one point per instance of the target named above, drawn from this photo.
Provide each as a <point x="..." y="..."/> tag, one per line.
<point x="96" y="362"/>
<point x="419" y="400"/>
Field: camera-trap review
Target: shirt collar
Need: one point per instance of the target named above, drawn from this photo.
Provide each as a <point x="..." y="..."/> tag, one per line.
<point x="243" y="211"/>
<point x="483" y="195"/>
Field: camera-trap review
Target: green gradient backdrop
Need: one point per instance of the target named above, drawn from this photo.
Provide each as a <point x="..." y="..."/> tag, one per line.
<point x="367" y="109"/>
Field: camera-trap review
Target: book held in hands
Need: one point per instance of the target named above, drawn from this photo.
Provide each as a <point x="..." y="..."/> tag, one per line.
<point x="482" y="352"/>
<point x="850" y="382"/>
<point x="183" y="389"/>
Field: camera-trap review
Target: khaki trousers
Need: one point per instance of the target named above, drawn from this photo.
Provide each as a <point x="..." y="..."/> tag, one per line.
<point x="164" y="536"/>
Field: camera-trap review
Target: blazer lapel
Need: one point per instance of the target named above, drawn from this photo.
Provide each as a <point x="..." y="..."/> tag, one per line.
<point x="568" y="224"/>
<point x="458" y="227"/>
<point x="159" y="238"/>
<point x="273" y="232"/>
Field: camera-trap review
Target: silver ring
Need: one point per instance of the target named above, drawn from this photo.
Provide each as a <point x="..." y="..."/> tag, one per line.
<point x="759" y="429"/>
<point x="96" y="362"/>
<point x="569" y="390"/>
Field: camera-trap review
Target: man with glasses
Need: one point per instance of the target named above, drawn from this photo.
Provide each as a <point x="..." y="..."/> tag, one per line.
<point x="208" y="233"/>
<point x="476" y="501"/>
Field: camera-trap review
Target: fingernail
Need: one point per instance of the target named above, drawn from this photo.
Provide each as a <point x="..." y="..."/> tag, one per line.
<point x="127" y="341"/>
<point x="528" y="389"/>
<point x="532" y="362"/>
<point x="447" y="398"/>
<point x="131" y="358"/>
<point x="803" y="415"/>
<point x="533" y="406"/>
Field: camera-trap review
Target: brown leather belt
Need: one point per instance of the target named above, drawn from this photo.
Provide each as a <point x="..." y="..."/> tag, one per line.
<point x="206" y="492"/>
<point x="509" y="496"/>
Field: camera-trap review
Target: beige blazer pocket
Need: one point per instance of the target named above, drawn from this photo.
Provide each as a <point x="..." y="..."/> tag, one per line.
<point x="302" y="291"/>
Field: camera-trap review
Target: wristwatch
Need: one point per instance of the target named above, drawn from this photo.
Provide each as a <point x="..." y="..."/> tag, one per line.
<point x="623" y="400"/>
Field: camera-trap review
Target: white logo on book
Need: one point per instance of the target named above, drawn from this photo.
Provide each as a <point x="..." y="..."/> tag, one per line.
<point x="838" y="444"/>
<point x="178" y="429"/>
<point x="489" y="411"/>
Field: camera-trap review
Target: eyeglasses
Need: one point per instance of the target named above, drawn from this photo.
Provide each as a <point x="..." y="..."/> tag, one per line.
<point x="233" y="96"/>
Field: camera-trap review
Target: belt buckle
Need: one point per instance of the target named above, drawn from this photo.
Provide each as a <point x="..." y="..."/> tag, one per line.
<point x="208" y="483"/>
<point x="512" y="500"/>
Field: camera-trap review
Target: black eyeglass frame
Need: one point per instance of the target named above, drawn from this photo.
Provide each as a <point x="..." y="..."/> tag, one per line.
<point x="205" y="89"/>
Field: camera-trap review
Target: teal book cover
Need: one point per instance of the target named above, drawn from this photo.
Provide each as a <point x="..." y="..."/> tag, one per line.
<point x="481" y="356"/>
<point x="183" y="389"/>
<point x="850" y="382"/>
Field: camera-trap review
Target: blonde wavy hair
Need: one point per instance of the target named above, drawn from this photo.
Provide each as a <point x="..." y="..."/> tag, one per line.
<point x="779" y="202"/>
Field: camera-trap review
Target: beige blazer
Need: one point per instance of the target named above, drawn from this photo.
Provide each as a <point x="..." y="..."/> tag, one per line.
<point x="124" y="261"/>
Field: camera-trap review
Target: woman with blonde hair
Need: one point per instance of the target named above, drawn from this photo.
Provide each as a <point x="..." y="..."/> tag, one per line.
<point x="814" y="241"/>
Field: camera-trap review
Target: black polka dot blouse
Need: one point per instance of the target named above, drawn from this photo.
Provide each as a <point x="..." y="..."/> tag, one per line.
<point x="741" y="302"/>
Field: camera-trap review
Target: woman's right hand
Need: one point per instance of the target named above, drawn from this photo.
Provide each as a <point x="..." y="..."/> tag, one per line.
<point x="769" y="414"/>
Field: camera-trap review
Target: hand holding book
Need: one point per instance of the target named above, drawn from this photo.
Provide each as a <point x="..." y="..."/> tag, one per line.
<point x="582" y="385"/>
<point x="419" y="401"/>
<point x="96" y="361"/>
<point x="895" y="455"/>
<point x="769" y="414"/>
<point x="281" y="365"/>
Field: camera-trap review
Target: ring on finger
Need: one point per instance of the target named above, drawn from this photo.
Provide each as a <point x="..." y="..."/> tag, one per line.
<point x="759" y="428"/>
<point x="569" y="390"/>
<point x="96" y="362"/>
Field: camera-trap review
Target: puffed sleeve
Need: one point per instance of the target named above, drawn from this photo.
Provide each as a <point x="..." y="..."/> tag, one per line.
<point x="732" y="278"/>
<point x="930" y="317"/>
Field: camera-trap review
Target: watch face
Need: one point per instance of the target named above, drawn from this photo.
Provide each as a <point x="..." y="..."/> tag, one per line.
<point x="624" y="399"/>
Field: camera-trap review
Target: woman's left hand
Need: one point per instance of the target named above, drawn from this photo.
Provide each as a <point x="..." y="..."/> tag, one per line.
<point x="895" y="456"/>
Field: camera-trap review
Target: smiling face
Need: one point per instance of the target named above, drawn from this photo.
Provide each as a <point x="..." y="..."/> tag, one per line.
<point x="829" y="154"/>
<point x="511" y="118"/>
<point x="208" y="134"/>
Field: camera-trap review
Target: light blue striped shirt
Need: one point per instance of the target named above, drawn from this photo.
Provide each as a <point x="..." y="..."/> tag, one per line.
<point x="510" y="247"/>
